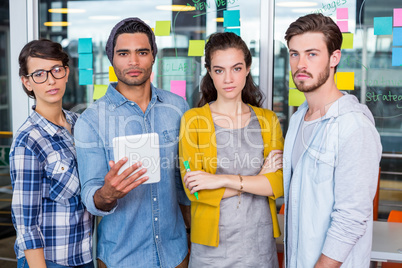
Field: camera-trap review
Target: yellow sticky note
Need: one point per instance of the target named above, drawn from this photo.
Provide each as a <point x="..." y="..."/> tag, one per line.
<point x="196" y="48"/>
<point x="347" y="41"/>
<point x="291" y="82"/>
<point x="112" y="75"/>
<point x="162" y="28"/>
<point x="296" y="98"/>
<point x="99" y="91"/>
<point x="345" y="80"/>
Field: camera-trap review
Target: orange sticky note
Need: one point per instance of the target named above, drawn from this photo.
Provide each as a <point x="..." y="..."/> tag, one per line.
<point x="345" y="80"/>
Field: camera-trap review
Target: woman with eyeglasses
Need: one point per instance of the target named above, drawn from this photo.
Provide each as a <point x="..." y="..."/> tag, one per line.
<point x="53" y="227"/>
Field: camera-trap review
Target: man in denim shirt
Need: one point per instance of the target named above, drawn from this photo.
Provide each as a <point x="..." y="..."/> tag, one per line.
<point x="142" y="225"/>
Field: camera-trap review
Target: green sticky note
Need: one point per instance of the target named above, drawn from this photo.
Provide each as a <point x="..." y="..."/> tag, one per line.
<point x="347" y="41"/>
<point x="196" y="48"/>
<point x="162" y="28"/>
<point x="85" y="45"/>
<point x="296" y="98"/>
<point x="291" y="82"/>
<point x="99" y="91"/>
<point x="345" y="80"/>
<point x="85" y="60"/>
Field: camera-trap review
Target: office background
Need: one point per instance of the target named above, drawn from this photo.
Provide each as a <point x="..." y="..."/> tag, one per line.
<point x="371" y="65"/>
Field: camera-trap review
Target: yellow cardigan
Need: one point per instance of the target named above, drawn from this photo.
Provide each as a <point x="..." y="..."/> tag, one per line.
<point x="197" y="145"/>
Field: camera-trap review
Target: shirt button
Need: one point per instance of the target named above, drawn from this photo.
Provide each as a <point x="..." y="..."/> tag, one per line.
<point x="156" y="219"/>
<point x="156" y="237"/>
<point x="154" y="199"/>
<point x="132" y="104"/>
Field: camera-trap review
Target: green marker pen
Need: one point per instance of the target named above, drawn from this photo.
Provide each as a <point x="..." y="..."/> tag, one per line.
<point x="187" y="166"/>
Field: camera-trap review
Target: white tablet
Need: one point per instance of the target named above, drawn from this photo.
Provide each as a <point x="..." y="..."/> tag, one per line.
<point x="142" y="147"/>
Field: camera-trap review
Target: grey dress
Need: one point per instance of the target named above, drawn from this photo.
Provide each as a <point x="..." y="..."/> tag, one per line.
<point x="245" y="229"/>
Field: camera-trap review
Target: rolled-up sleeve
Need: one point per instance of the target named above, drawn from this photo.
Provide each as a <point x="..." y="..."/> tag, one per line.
<point x="26" y="205"/>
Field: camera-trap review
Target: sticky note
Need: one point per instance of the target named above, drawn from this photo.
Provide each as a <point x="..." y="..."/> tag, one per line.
<point x="345" y="80"/>
<point x="382" y="25"/>
<point x="291" y="82"/>
<point x="178" y="87"/>
<point x="85" y="45"/>
<point x="196" y="48"/>
<point x="343" y="25"/>
<point x="233" y="30"/>
<point x="85" y="61"/>
<point x="347" y="41"/>
<point x="162" y="28"/>
<point x="397" y="56"/>
<point x="342" y="13"/>
<point x="85" y="77"/>
<point x="112" y="75"/>
<point x="397" y="37"/>
<point x="397" y="16"/>
<point x="231" y="18"/>
<point x="99" y="91"/>
<point x="152" y="77"/>
<point x="296" y="98"/>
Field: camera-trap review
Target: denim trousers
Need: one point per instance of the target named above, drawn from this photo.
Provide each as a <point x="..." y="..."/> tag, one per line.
<point x="22" y="263"/>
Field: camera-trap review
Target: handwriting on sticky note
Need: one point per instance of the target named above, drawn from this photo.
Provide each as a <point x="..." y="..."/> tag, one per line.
<point x="162" y="28"/>
<point x="178" y="87"/>
<point x="196" y="48"/>
<point x="99" y="91"/>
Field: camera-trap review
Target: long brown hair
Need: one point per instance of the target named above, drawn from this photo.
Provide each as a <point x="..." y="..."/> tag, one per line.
<point x="222" y="41"/>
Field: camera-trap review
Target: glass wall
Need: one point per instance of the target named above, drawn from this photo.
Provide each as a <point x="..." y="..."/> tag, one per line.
<point x="370" y="66"/>
<point x="181" y="28"/>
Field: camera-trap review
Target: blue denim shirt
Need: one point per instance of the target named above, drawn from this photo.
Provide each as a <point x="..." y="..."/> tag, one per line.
<point x="146" y="227"/>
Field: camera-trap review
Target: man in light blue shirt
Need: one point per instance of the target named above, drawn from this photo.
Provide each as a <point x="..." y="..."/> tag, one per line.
<point x="332" y="153"/>
<point x="142" y="225"/>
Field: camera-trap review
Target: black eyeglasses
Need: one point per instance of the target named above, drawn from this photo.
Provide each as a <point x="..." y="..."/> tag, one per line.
<point x="40" y="77"/>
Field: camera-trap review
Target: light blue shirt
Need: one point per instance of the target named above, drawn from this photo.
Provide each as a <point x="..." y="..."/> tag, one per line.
<point x="329" y="194"/>
<point x="146" y="227"/>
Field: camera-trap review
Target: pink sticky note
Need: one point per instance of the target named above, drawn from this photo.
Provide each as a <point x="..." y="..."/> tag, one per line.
<point x="152" y="76"/>
<point x="342" y="13"/>
<point x="178" y="87"/>
<point x="343" y="25"/>
<point x="397" y="16"/>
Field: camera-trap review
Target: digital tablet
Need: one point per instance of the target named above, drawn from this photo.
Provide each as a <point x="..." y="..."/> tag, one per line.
<point x="143" y="148"/>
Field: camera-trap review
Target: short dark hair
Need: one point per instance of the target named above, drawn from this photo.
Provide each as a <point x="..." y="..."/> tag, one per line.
<point x="222" y="41"/>
<point x="44" y="49"/>
<point x="320" y="24"/>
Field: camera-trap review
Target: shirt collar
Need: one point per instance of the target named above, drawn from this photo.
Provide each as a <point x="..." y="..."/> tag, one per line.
<point x="45" y="124"/>
<point x="118" y="99"/>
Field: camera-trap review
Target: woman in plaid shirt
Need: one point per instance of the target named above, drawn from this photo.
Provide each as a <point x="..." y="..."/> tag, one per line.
<point x="53" y="227"/>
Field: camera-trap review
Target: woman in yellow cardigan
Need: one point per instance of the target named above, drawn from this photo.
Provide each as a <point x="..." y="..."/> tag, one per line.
<point x="234" y="150"/>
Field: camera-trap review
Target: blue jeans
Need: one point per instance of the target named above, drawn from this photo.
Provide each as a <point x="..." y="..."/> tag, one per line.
<point x="22" y="263"/>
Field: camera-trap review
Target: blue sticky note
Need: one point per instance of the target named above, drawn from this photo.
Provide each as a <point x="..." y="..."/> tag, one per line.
<point x="383" y="26"/>
<point x="397" y="37"/>
<point x="233" y="30"/>
<point x="397" y="56"/>
<point x="85" y="45"/>
<point x="231" y="18"/>
<point x="85" y="61"/>
<point x="85" y="77"/>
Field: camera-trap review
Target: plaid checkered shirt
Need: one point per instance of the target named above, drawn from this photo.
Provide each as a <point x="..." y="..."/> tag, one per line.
<point x="47" y="211"/>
